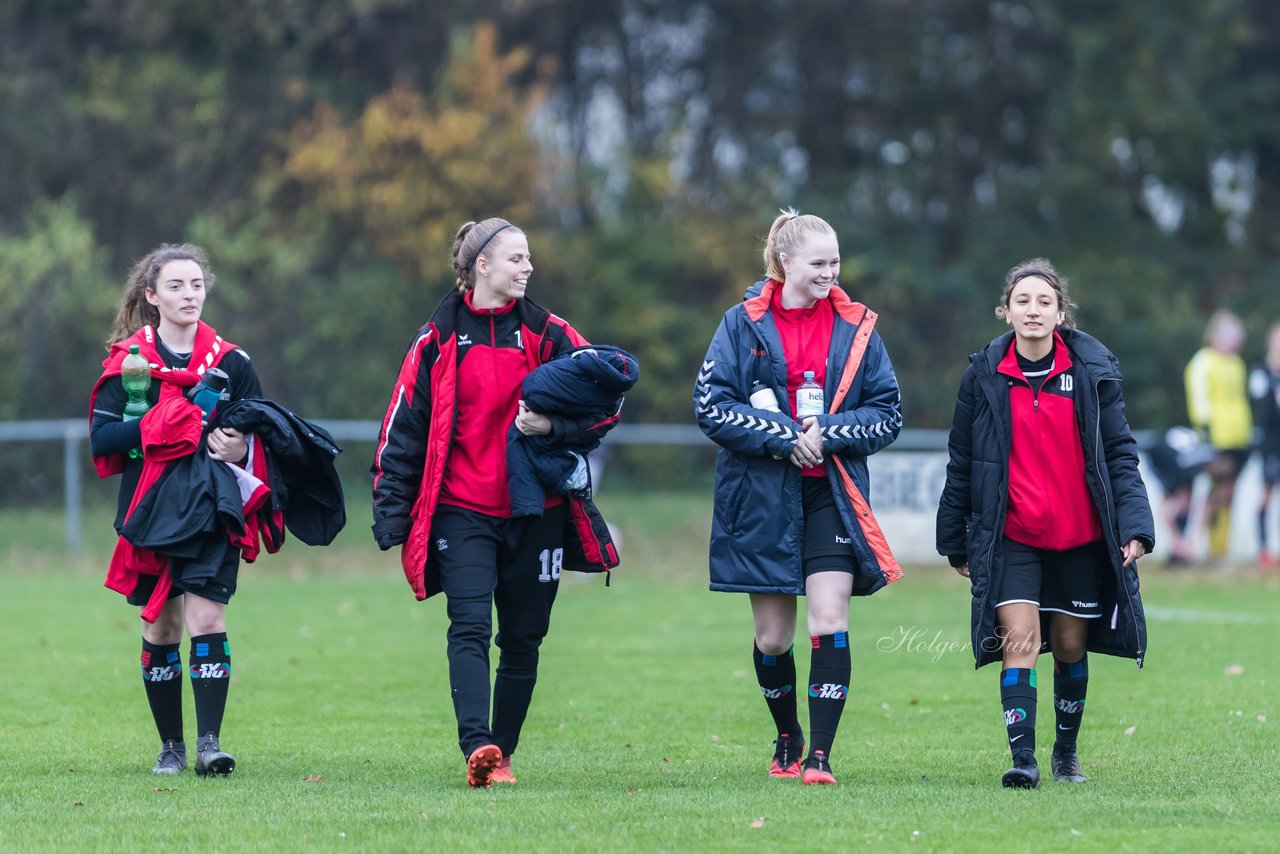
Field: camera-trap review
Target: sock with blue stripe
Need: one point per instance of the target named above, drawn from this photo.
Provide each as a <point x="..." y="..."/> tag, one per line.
<point x="1018" y="695"/>
<point x="1070" y="683"/>
<point x="776" y="675"/>
<point x="162" y="678"/>
<point x="210" y="662"/>
<point x="829" y="670"/>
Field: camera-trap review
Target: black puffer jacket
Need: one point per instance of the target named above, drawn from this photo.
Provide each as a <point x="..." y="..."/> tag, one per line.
<point x="585" y="385"/>
<point x="190" y="511"/>
<point x="971" y="514"/>
<point x="305" y="485"/>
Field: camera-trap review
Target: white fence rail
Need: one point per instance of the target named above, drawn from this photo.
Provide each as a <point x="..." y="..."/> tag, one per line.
<point x="73" y="433"/>
<point x="906" y="479"/>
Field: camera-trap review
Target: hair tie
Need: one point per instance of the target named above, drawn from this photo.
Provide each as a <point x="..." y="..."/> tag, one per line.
<point x="476" y="257"/>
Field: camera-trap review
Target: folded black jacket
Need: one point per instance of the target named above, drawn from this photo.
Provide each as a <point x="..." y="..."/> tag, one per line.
<point x="193" y="509"/>
<point x="305" y="486"/>
<point x="584" y="386"/>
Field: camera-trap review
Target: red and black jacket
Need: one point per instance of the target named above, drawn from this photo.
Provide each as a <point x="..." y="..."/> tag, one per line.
<point x="1049" y="503"/>
<point x="443" y="435"/>
<point x="208" y="351"/>
<point x="170" y="430"/>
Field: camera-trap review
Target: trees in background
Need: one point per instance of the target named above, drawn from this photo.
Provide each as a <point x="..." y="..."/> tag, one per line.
<point x="325" y="151"/>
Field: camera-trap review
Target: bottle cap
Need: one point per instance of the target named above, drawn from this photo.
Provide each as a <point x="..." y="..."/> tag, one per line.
<point x="216" y="379"/>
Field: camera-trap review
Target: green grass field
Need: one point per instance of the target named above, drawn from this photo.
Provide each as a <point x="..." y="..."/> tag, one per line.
<point x="646" y="733"/>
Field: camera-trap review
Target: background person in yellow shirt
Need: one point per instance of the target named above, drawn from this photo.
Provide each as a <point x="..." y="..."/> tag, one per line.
<point x="1218" y="404"/>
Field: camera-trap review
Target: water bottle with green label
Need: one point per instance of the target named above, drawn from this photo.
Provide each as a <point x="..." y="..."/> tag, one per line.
<point x="135" y="375"/>
<point x="809" y="397"/>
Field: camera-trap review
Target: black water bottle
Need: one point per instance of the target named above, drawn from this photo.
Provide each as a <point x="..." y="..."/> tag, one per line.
<point x="212" y="389"/>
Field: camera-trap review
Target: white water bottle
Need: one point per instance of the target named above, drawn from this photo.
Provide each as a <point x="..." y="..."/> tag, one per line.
<point x="809" y="398"/>
<point x="762" y="397"/>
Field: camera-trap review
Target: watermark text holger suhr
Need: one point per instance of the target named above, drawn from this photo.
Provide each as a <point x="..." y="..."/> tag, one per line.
<point x="917" y="640"/>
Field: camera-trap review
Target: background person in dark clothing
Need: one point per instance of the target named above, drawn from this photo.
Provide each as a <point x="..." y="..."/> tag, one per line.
<point x="440" y="486"/>
<point x="160" y="311"/>
<point x="1045" y="512"/>
<point x="1264" y="391"/>
<point x="1177" y="456"/>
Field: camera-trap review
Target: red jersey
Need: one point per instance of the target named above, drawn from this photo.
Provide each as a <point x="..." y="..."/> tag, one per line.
<point x="806" y="341"/>
<point x="1049" y="502"/>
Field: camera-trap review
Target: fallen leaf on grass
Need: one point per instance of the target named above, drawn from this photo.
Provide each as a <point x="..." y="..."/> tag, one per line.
<point x="924" y="778"/>
<point x="1131" y="730"/>
<point x="1262" y="719"/>
<point x="313" y="778"/>
<point x="629" y="790"/>
<point x="78" y="804"/>
<point x="757" y="824"/>
<point x="164" y="789"/>
<point x="715" y="738"/>
<point x="1075" y="832"/>
<point x="1234" y="669"/>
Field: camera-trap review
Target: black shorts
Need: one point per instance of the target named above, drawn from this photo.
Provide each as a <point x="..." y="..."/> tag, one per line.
<point x="827" y="544"/>
<point x="1065" y="582"/>
<point x="1172" y="476"/>
<point x="1229" y="462"/>
<point x="220" y="588"/>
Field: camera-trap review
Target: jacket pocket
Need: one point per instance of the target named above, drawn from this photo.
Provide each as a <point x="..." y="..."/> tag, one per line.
<point x="977" y="545"/>
<point x="732" y="491"/>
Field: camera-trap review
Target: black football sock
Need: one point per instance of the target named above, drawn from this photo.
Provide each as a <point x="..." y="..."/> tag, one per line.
<point x="162" y="678"/>
<point x="1018" y="695"/>
<point x="1070" y="683"/>
<point x="776" y="675"/>
<point x="829" y="670"/>
<point x="210" y="663"/>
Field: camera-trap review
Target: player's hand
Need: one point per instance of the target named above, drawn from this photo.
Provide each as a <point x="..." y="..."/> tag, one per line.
<point x="808" y="449"/>
<point x="963" y="570"/>
<point x="1132" y="551"/>
<point x="228" y="445"/>
<point x="532" y="423"/>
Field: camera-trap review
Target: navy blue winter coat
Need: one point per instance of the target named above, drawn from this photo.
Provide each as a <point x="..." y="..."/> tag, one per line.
<point x="584" y="383"/>
<point x="757" y="529"/>
<point x="971" y="513"/>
